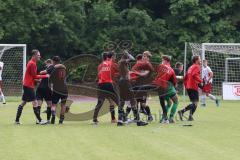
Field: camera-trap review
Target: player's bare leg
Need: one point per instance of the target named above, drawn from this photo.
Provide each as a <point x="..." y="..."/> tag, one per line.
<point x="214" y="98"/>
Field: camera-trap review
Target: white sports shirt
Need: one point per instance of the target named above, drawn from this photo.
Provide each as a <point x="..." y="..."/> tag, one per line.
<point x="206" y="72"/>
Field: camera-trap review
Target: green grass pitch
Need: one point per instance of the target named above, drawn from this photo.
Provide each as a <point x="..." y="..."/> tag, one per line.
<point x="215" y="135"/>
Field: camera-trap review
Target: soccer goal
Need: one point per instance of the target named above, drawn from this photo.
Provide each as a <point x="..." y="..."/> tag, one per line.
<point x="13" y="58"/>
<point x="223" y="59"/>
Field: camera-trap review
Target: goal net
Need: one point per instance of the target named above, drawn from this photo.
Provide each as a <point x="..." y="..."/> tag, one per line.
<point x="221" y="57"/>
<point x="13" y="58"/>
<point x="232" y="70"/>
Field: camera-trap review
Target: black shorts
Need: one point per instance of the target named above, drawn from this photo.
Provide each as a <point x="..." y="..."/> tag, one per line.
<point x="193" y="95"/>
<point x="141" y="99"/>
<point x="44" y="93"/>
<point x="29" y="94"/>
<point x="107" y="90"/>
<point x="141" y="96"/>
<point x="57" y="96"/>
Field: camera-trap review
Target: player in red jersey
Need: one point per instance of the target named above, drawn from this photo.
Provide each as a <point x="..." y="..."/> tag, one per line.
<point x="28" y="88"/>
<point x="143" y="65"/>
<point x="126" y="94"/>
<point x="192" y="82"/>
<point x="166" y="80"/>
<point x="105" y="86"/>
<point x="163" y="84"/>
<point x="115" y="75"/>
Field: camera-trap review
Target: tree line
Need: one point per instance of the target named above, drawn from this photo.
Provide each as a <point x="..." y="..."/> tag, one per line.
<point x="72" y="27"/>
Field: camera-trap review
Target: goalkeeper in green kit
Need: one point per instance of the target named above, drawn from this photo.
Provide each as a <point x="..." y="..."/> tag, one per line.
<point x="178" y="72"/>
<point x="171" y="93"/>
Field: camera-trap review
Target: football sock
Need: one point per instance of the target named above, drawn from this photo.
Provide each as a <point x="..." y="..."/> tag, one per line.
<point x="112" y="111"/>
<point x="61" y="118"/>
<point x="48" y="113"/>
<point x="187" y="108"/>
<point x="194" y="107"/>
<point x="3" y="98"/>
<point x="169" y="104"/>
<point x="148" y="111"/>
<point x="19" y="113"/>
<point x="39" y="109"/>
<point x="120" y="113"/>
<point x="36" y="112"/>
<point x="135" y="113"/>
<point x="173" y="110"/>
<point x="53" y="117"/>
<point x="142" y="108"/>
<point x="164" y="108"/>
<point x="203" y="99"/>
<point x="128" y="110"/>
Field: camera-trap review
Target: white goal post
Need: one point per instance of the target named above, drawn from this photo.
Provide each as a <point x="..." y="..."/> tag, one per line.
<point x="13" y="57"/>
<point x="219" y="55"/>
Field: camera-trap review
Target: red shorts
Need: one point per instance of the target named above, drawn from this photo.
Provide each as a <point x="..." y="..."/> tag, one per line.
<point x="207" y="88"/>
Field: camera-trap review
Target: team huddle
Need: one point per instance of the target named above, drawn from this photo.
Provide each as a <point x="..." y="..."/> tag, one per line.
<point x="121" y="86"/>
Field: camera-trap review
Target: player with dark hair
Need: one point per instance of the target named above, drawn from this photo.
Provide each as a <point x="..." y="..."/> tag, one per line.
<point x="178" y="69"/>
<point x="192" y="82"/>
<point x="106" y="86"/>
<point x="44" y="92"/>
<point x="57" y="80"/>
<point x="28" y="88"/>
<point x="125" y="90"/>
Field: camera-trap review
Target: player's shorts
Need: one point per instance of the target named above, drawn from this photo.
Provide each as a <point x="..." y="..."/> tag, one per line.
<point x="193" y="95"/>
<point x="171" y="92"/>
<point x="44" y="93"/>
<point x="207" y="88"/>
<point x="56" y="97"/>
<point x="141" y="96"/>
<point x="107" y="90"/>
<point x="141" y="99"/>
<point x="28" y="94"/>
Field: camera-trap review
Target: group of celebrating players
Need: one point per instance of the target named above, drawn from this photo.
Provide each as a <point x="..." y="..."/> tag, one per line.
<point x="119" y="85"/>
